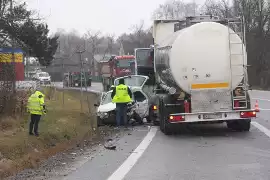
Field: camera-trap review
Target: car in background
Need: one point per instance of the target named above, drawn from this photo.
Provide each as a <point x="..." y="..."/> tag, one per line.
<point x="75" y="79"/>
<point x="106" y="110"/>
<point x="42" y="77"/>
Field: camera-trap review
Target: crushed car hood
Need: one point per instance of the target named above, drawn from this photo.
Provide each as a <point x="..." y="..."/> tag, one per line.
<point x="107" y="107"/>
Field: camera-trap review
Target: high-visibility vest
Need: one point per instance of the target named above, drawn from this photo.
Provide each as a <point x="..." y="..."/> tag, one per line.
<point x="35" y="103"/>
<point x="121" y="94"/>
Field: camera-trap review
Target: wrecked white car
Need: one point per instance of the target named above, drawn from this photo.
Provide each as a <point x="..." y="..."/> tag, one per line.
<point x="139" y="106"/>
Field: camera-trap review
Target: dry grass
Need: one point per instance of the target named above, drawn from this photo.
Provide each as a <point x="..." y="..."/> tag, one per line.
<point x="63" y="125"/>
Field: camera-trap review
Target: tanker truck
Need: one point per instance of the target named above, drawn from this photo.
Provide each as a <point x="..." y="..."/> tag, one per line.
<point x="200" y="66"/>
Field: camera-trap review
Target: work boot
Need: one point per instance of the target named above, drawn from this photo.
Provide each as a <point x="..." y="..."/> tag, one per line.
<point x="31" y="134"/>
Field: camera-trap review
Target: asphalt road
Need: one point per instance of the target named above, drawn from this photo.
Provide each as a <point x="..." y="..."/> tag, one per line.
<point x="210" y="152"/>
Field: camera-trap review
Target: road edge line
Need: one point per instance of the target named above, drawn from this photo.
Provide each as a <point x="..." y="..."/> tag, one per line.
<point x="261" y="128"/>
<point x="127" y="165"/>
<point x="260" y="99"/>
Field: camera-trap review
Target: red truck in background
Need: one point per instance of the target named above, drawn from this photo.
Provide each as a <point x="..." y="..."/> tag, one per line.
<point x="114" y="67"/>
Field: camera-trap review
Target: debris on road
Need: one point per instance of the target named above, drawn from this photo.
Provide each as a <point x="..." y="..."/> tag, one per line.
<point x="110" y="145"/>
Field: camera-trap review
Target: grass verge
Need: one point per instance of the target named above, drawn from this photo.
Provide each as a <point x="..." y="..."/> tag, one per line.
<point x="68" y="121"/>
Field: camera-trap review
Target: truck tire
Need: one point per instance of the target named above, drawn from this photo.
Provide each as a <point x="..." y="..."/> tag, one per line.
<point x="164" y="125"/>
<point x="161" y="118"/>
<point x="239" y="125"/>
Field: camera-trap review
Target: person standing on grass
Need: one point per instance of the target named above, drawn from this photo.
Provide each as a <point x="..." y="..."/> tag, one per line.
<point x="121" y="95"/>
<point x="36" y="108"/>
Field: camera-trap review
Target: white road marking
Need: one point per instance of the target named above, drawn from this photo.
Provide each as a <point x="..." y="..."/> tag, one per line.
<point x="261" y="99"/>
<point x="122" y="171"/>
<point x="264" y="109"/>
<point x="261" y="128"/>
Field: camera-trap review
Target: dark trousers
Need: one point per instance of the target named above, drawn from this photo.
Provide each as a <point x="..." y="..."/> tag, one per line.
<point x="121" y="114"/>
<point x="34" y="123"/>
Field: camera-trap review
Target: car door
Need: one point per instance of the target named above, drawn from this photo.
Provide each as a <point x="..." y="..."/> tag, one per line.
<point x="102" y="95"/>
<point x="141" y="102"/>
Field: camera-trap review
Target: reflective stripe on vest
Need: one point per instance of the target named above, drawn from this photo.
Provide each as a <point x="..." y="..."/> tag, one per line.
<point x="121" y="94"/>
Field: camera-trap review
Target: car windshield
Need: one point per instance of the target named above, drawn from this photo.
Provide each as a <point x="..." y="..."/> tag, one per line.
<point x="107" y="98"/>
<point x="124" y="62"/>
<point x="43" y="75"/>
<point x="132" y="81"/>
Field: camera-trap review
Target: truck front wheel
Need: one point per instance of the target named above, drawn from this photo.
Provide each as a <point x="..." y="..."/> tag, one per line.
<point x="239" y="125"/>
<point x="164" y="125"/>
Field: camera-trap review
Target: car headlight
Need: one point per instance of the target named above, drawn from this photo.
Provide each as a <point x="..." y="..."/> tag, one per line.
<point x="102" y="114"/>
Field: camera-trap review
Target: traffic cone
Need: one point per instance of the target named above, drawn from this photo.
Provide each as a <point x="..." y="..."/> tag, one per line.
<point x="257" y="106"/>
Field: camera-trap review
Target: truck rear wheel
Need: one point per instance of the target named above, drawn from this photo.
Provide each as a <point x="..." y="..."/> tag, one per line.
<point x="239" y="125"/>
<point x="164" y="125"/>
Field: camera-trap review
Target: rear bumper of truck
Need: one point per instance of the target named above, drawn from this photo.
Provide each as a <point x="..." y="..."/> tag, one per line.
<point x="212" y="116"/>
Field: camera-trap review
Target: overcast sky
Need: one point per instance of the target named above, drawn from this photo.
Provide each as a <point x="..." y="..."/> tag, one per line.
<point x="108" y="16"/>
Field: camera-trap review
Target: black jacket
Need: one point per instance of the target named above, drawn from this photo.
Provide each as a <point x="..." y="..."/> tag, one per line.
<point x="114" y="91"/>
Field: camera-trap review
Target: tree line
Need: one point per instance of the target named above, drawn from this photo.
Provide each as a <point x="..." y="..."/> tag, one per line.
<point x="97" y="45"/>
<point x="256" y="14"/>
<point x="20" y="27"/>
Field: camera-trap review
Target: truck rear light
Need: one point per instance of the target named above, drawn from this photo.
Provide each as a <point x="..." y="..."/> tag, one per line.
<point x="186" y="106"/>
<point x="248" y="114"/>
<point x="176" y="118"/>
<point x="154" y="107"/>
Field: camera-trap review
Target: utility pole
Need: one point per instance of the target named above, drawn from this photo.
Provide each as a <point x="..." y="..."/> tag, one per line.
<point x="194" y="7"/>
<point x="81" y="71"/>
<point x="13" y="64"/>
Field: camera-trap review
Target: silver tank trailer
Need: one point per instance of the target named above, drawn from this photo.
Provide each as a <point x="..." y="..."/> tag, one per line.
<point x="199" y="54"/>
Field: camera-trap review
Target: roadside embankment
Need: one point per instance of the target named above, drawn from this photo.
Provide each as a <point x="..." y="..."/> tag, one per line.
<point x="68" y="121"/>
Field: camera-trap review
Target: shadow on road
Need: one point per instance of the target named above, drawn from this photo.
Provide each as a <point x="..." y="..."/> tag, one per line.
<point x="206" y="130"/>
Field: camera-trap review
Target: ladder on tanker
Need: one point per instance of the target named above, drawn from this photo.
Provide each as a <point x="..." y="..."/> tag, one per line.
<point x="238" y="29"/>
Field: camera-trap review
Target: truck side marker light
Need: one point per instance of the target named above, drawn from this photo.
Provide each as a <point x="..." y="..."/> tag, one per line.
<point x="248" y="114"/>
<point x="176" y="118"/>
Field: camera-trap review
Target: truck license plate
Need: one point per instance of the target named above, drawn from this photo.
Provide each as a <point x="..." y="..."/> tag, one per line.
<point x="212" y="116"/>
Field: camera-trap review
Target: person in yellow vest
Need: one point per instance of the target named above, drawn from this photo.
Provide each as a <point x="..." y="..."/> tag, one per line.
<point x="36" y="108"/>
<point x="121" y="95"/>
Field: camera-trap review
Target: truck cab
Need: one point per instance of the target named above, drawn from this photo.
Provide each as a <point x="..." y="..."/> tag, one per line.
<point x="114" y="67"/>
<point x="123" y="65"/>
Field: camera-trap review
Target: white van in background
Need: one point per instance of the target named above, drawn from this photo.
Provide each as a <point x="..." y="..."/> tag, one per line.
<point x="43" y="77"/>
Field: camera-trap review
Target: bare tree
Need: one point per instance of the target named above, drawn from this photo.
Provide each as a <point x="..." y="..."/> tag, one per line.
<point x="140" y="37"/>
<point x="256" y="14"/>
<point x="219" y="8"/>
<point x="93" y="40"/>
<point x="175" y="9"/>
